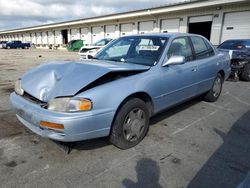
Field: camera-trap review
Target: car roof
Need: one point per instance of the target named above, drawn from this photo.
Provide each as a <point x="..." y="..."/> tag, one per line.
<point x="237" y="40"/>
<point x="169" y="35"/>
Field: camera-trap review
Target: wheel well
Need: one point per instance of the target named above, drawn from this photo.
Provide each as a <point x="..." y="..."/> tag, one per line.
<point x="144" y="97"/>
<point x="140" y="95"/>
<point x="222" y="73"/>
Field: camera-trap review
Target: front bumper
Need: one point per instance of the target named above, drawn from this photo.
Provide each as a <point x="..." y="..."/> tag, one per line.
<point x="77" y="126"/>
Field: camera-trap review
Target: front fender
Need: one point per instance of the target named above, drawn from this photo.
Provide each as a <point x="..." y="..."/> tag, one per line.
<point x="109" y="96"/>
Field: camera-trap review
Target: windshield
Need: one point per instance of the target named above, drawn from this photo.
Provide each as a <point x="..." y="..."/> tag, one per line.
<point x="102" y="42"/>
<point x="143" y="50"/>
<point x="235" y="45"/>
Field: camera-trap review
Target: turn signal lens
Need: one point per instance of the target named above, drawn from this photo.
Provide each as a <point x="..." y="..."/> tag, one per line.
<point x="85" y="105"/>
<point x="54" y="126"/>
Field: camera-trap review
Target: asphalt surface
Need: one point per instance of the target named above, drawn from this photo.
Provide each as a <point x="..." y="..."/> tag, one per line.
<point x="196" y="144"/>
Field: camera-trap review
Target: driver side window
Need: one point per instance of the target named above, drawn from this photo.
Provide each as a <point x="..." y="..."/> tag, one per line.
<point x="181" y="47"/>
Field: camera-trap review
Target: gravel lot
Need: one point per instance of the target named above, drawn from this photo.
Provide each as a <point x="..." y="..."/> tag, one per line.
<point x="196" y="144"/>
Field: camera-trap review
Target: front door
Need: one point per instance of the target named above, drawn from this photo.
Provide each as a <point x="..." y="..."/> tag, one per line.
<point x="179" y="81"/>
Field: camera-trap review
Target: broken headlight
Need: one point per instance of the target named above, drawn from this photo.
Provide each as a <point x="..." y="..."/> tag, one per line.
<point x="69" y="105"/>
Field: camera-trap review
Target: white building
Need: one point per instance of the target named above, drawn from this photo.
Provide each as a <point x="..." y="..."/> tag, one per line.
<point x="217" y="20"/>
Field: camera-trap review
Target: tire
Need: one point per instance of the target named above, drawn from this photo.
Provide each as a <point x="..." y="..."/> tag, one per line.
<point x="130" y="125"/>
<point x="8" y="47"/>
<point x="245" y="75"/>
<point x="214" y="93"/>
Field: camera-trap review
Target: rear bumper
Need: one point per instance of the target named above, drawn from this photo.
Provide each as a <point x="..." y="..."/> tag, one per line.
<point x="77" y="126"/>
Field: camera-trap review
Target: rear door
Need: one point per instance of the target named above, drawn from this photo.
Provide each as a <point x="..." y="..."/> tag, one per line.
<point x="207" y="63"/>
<point x="179" y="81"/>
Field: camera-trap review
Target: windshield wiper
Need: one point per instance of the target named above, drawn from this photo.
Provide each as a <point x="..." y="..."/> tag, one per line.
<point x="115" y="60"/>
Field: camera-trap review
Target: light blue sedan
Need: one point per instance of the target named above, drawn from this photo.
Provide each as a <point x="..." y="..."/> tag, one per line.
<point x="115" y="93"/>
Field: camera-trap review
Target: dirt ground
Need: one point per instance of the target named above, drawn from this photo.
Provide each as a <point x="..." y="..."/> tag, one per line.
<point x="196" y="144"/>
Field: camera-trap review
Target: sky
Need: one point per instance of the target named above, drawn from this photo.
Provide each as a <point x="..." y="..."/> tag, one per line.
<point x="24" y="13"/>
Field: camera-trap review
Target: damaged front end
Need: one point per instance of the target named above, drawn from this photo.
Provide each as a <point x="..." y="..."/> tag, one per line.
<point x="50" y="99"/>
<point x="239" y="59"/>
<point x="53" y="86"/>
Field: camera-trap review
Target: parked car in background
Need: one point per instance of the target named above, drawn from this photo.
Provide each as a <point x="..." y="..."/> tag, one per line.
<point x="75" y="45"/>
<point x="16" y="44"/>
<point x="117" y="92"/>
<point x="239" y="51"/>
<point x="2" y="42"/>
<point x="90" y="51"/>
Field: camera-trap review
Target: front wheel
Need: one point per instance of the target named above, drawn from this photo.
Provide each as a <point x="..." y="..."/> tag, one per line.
<point x="130" y="125"/>
<point x="214" y="93"/>
<point x="245" y="75"/>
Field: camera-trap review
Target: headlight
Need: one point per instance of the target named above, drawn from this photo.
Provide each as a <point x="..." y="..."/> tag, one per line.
<point x="92" y="51"/>
<point x="69" y="105"/>
<point x="18" y="87"/>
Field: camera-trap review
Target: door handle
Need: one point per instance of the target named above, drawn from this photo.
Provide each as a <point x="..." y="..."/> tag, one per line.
<point x="194" y="69"/>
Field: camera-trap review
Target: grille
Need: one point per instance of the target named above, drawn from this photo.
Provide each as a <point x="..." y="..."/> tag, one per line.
<point x="84" y="50"/>
<point x="34" y="100"/>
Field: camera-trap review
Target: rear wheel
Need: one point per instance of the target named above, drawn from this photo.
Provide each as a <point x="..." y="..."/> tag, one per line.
<point x="214" y="93"/>
<point x="245" y="75"/>
<point x="131" y="124"/>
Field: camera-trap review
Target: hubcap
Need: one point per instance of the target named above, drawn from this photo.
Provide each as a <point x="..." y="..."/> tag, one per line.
<point x="134" y="124"/>
<point x="217" y="87"/>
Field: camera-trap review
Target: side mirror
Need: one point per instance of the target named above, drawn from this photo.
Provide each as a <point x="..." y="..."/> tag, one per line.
<point x="174" y="60"/>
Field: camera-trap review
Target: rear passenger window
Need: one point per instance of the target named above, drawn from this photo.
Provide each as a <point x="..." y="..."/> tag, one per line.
<point x="181" y="47"/>
<point x="202" y="50"/>
<point x="210" y="48"/>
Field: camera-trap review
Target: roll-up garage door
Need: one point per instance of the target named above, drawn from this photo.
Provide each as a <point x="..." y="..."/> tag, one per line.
<point x="146" y="27"/>
<point x="126" y="29"/>
<point x="39" y="38"/>
<point x="236" y="26"/>
<point x="44" y="38"/>
<point x="84" y="35"/>
<point x="96" y="34"/>
<point x="20" y="37"/>
<point x="58" y="37"/>
<point x="51" y="37"/>
<point x="75" y="34"/>
<point x="27" y="37"/>
<point x="33" y="38"/>
<point x="110" y="31"/>
<point x="170" y="25"/>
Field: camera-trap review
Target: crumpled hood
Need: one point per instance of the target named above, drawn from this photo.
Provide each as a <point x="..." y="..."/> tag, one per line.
<point x="66" y="78"/>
